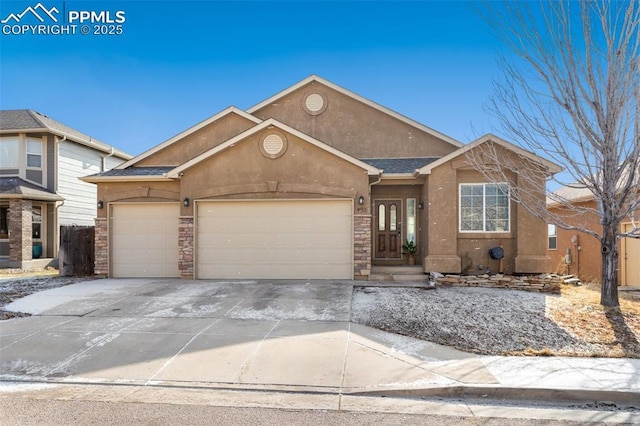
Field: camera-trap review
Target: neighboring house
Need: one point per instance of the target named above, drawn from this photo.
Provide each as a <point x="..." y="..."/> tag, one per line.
<point x="313" y="182"/>
<point x="577" y="253"/>
<point x="40" y="162"/>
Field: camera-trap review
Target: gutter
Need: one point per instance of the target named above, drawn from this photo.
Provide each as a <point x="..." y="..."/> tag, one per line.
<point x="107" y="149"/>
<point x="98" y="179"/>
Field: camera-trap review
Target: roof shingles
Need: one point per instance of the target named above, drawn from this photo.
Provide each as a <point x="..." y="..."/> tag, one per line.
<point x="399" y="165"/>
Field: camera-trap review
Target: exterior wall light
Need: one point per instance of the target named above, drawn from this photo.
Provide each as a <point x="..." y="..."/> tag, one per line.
<point x="421" y="205"/>
<point x="100" y="204"/>
<point x="186" y="201"/>
<point x="361" y="200"/>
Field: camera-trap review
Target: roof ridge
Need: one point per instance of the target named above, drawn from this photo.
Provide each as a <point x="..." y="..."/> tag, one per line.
<point x="34" y="114"/>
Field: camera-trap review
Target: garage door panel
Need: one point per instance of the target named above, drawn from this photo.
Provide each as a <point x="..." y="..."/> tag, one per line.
<point x="144" y="240"/>
<point x="275" y="239"/>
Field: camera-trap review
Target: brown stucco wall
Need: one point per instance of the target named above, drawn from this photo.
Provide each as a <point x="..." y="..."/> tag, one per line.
<point x="304" y="171"/>
<point x="136" y="192"/>
<point x="449" y="250"/>
<point x="353" y="127"/>
<point x="585" y="249"/>
<point x="199" y="141"/>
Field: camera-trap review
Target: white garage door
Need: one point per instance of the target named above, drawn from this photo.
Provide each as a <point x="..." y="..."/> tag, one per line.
<point x="275" y="239"/>
<point x="144" y="240"/>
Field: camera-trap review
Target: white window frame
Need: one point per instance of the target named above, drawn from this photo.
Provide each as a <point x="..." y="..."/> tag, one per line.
<point x="411" y="220"/>
<point x="17" y="163"/>
<point x="484" y="209"/>
<point x="551" y="235"/>
<point x="28" y="153"/>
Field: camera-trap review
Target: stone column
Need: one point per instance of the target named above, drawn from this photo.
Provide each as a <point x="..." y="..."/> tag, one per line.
<point x="185" y="247"/>
<point x="101" y="260"/>
<point x="20" y="230"/>
<point x="362" y="246"/>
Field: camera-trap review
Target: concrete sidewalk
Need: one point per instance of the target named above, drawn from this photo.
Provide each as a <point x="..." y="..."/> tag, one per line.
<point x="291" y="336"/>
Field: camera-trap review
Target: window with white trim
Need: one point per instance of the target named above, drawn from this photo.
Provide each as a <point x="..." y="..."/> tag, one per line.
<point x="552" y="232"/>
<point x="34" y="154"/>
<point x="484" y="207"/>
<point x="36" y="222"/>
<point x="9" y="153"/>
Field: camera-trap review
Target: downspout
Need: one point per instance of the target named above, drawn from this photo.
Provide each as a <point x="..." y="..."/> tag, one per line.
<point x="104" y="159"/>
<point x="375" y="183"/>
<point x="56" y="225"/>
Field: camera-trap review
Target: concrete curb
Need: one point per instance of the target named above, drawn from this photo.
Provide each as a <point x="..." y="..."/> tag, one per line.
<point x="624" y="399"/>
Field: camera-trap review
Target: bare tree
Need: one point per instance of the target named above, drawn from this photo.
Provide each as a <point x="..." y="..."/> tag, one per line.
<point x="571" y="93"/>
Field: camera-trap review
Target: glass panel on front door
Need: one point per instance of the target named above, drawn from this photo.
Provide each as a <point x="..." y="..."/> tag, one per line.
<point x="389" y="235"/>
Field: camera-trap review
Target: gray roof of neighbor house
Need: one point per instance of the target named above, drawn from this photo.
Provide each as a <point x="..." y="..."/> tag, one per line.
<point x="27" y="120"/>
<point x="13" y="187"/>
<point x="399" y="165"/>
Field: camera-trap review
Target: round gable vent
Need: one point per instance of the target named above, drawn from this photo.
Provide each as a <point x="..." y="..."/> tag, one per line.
<point x="314" y="104"/>
<point x="273" y="145"/>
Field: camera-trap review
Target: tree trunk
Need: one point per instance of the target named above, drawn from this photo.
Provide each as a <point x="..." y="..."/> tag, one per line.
<point x="609" y="291"/>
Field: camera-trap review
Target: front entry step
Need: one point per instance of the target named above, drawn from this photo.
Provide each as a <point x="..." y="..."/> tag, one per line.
<point x="398" y="273"/>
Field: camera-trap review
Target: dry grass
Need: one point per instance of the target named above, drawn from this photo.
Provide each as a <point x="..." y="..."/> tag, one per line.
<point x="615" y="332"/>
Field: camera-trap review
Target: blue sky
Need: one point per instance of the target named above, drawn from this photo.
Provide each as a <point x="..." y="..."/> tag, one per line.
<point x="178" y="62"/>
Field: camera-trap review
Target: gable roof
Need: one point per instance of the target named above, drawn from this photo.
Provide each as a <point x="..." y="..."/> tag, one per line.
<point x="27" y="120"/>
<point x="190" y="130"/>
<point x="371" y="170"/>
<point x="359" y="98"/>
<point x="553" y="167"/>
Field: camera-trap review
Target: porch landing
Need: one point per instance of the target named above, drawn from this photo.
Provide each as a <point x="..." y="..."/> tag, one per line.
<point x="398" y="274"/>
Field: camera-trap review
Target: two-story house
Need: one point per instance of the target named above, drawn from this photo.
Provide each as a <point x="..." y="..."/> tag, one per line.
<point x="40" y="162"/>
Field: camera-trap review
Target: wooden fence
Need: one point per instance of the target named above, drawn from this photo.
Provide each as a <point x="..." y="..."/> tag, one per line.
<point x="76" y="253"/>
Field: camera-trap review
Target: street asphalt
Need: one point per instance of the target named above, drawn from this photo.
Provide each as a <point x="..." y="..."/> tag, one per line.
<point x="291" y="338"/>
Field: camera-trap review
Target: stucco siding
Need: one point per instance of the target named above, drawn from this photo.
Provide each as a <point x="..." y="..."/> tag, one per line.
<point x="353" y="127"/>
<point x="199" y="141"/>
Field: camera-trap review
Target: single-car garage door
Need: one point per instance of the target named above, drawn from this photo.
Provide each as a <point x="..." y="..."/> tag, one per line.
<point x="144" y="240"/>
<point x="275" y="239"/>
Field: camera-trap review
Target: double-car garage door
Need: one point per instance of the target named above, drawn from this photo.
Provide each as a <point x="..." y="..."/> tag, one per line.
<point x="237" y="239"/>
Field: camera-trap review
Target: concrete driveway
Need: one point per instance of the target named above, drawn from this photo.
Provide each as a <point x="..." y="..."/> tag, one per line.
<point x="242" y="334"/>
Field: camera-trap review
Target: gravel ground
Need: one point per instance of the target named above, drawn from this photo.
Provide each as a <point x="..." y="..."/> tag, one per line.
<point x="477" y="320"/>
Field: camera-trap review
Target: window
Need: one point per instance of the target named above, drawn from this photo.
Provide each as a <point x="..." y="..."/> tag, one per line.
<point x="4" y="222"/>
<point x="34" y="154"/>
<point x="36" y="222"/>
<point x="484" y="207"/>
<point x="411" y="219"/>
<point x="9" y="153"/>
<point x="393" y="218"/>
<point x="552" y="231"/>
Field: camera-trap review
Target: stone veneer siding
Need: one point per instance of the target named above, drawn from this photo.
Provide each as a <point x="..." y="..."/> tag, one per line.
<point x="361" y="247"/>
<point x="20" y="230"/>
<point x="185" y="247"/>
<point x="101" y="261"/>
<point x="541" y="284"/>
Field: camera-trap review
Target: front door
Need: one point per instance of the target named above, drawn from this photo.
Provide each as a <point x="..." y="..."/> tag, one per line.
<point x="388" y="229"/>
